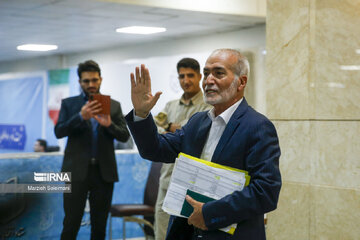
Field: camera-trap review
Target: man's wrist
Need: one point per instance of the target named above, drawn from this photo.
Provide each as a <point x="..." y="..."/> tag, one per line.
<point x="108" y="125"/>
<point x="137" y="118"/>
<point x="141" y="114"/>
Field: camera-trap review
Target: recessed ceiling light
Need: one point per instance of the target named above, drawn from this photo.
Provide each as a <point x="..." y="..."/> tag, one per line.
<point x="141" y="30"/>
<point x="357" y="51"/>
<point x="36" y="47"/>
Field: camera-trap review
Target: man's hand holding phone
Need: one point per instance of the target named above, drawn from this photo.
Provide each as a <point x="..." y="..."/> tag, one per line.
<point x="103" y="115"/>
<point x="90" y="109"/>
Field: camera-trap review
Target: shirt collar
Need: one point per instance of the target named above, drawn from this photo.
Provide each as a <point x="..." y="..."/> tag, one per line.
<point x="226" y="115"/>
<point x="196" y="99"/>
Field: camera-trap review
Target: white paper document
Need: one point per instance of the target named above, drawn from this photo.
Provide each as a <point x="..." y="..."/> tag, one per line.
<point x="204" y="177"/>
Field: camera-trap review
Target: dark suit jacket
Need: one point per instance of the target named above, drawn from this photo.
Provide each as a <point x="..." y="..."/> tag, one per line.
<point x="79" y="132"/>
<point x="249" y="142"/>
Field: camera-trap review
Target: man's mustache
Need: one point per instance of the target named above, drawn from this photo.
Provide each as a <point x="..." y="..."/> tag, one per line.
<point x="214" y="88"/>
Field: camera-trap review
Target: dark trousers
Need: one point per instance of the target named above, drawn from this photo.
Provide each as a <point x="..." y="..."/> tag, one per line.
<point x="100" y="196"/>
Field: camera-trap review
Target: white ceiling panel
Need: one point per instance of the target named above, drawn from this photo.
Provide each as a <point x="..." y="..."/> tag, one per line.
<point x="83" y="25"/>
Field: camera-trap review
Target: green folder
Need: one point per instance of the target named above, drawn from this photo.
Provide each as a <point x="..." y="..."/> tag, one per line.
<point x="187" y="209"/>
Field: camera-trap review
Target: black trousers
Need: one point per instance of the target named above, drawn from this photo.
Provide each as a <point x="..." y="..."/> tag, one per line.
<point x="100" y="196"/>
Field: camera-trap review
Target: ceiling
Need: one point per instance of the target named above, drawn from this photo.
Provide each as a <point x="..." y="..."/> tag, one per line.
<point x="83" y="25"/>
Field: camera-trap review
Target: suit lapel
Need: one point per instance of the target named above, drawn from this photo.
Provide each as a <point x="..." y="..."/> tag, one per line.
<point x="201" y="136"/>
<point x="230" y="128"/>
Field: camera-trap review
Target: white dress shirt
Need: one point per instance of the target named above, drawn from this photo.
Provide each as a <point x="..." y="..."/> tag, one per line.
<point x="217" y="128"/>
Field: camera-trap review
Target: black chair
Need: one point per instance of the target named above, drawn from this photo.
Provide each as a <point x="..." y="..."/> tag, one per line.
<point x="131" y="212"/>
<point x="52" y="149"/>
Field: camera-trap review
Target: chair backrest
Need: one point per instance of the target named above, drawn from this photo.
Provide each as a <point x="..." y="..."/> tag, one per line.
<point x="52" y="149"/>
<point x="151" y="191"/>
<point x="152" y="184"/>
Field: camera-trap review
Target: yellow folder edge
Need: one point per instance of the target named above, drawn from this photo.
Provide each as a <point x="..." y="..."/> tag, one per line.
<point x="216" y="165"/>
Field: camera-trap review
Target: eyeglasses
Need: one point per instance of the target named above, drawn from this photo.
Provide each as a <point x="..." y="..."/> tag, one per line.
<point x="87" y="81"/>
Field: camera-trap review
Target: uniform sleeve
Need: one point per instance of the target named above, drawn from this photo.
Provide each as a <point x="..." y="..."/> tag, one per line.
<point x="161" y="119"/>
<point x="151" y="145"/>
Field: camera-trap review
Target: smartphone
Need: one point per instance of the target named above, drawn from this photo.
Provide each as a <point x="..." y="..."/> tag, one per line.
<point x="104" y="100"/>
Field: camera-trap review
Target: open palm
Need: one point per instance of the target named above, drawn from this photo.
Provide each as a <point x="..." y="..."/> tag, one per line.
<point x="141" y="96"/>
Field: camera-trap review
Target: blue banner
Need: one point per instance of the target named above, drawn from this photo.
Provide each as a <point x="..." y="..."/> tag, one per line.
<point x="12" y="137"/>
<point x="22" y="105"/>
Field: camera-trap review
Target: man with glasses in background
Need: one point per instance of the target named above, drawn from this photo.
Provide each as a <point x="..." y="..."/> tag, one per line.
<point x="89" y="153"/>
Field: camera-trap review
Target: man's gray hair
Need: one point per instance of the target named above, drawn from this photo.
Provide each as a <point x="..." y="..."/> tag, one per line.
<point x="241" y="67"/>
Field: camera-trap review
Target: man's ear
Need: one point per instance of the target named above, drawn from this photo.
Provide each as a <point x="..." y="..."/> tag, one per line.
<point x="242" y="82"/>
<point x="200" y="77"/>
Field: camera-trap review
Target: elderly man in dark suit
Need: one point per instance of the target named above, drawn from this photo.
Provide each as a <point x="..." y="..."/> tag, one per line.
<point x="231" y="134"/>
<point x="89" y="153"/>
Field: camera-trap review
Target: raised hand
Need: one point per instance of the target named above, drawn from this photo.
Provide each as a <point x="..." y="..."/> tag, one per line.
<point x="141" y="96"/>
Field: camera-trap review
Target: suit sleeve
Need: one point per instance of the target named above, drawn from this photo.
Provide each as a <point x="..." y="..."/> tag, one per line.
<point x="118" y="128"/>
<point x="151" y="145"/>
<point x="68" y="122"/>
<point x="261" y="195"/>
